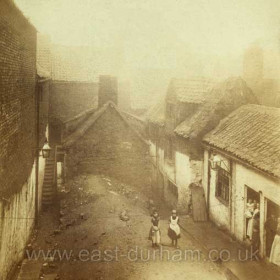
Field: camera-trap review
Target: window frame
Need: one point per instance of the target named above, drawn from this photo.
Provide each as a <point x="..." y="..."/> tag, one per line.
<point x="223" y="185"/>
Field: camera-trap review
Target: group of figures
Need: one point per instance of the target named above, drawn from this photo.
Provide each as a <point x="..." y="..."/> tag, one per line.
<point x="272" y="227"/>
<point x="173" y="229"/>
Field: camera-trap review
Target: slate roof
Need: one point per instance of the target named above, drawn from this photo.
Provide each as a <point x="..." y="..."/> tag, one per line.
<point x="190" y="90"/>
<point x="85" y="125"/>
<point x="252" y="134"/>
<point x="136" y="122"/>
<point x="224" y="98"/>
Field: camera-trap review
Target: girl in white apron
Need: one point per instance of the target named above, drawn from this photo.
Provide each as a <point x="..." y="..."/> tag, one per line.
<point x="174" y="229"/>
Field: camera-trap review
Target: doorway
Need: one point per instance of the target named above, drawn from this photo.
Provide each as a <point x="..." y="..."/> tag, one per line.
<point x="273" y="212"/>
<point x="252" y="214"/>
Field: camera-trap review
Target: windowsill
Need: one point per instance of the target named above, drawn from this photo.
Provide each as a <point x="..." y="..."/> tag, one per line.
<point x="226" y="203"/>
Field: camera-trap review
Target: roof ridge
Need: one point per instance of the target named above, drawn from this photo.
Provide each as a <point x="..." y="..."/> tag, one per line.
<point x="80" y="131"/>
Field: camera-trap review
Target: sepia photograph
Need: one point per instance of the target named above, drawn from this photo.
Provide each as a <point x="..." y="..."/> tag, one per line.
<point x="139" y="139"/>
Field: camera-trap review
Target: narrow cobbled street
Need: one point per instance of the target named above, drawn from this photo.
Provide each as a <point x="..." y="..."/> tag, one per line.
<point x="98" y="214"/>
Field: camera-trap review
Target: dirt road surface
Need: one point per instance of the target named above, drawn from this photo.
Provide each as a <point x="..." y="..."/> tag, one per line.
<point x="86" y="238"/>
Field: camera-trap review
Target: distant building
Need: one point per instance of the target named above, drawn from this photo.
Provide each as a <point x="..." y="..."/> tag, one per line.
<point x="253" y="64"/>
<point x="242" y="162"/>
<point x="192" y="108"/>
<point x="74" y="87"/>
<point x="108" y="90"/>
<point x="124" y="96"/>
<point x="261" y="72"/>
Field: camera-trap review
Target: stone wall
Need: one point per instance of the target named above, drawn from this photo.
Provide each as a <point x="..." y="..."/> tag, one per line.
<point x="110" y="147"/>
<point x="17" y="97"/>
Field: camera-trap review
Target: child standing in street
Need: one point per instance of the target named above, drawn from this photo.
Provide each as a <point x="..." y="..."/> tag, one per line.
<point x="174" y="229"/>
<point x="155" y="230"/>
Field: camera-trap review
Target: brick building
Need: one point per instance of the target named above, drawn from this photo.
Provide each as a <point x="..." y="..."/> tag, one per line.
<point x="24" y="93"/>
<point x="261" y="72"/>
<point x="18" y="137"/>
<point x="241" y="162"/>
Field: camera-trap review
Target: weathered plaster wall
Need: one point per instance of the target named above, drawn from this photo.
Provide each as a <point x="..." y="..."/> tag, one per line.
<point x="16" y="222"/>
<point x="219" y="212"/>
<point x="183" y="179"/>
<point x="182" y="172"/>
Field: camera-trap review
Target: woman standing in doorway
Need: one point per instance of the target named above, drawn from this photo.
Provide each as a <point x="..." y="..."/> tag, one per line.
<point x="251" y="221"/>
<point x="174" y="229"/>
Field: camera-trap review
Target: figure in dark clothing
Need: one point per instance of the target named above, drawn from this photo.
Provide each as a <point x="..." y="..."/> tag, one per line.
<point x="256" y="232"/>
<point x="270" y="229"/>
<point x="154" y="235"/>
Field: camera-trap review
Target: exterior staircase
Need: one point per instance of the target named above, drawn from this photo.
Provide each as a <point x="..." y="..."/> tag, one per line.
<point x="49" y="184"/>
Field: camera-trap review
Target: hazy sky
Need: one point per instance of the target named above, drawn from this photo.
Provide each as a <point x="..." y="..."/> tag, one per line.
<point x="156" y="33"/>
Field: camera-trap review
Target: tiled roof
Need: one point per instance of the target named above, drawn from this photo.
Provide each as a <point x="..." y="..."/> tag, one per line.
<point x="190" y="90"/>
<point x="251" y="133"/>
<point x="156" y="114"/>
<point x="89" y="122"/>
<point x="136" y="122"/>
<point x="224" y="98"/>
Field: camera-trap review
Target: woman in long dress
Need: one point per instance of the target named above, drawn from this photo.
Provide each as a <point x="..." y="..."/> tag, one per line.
<point x="256" y="232"/>
<point x="174" y="229"/>
<point x="275" y="249"/>
<point x="155" y="230"/>
<point x="251" y="222"/>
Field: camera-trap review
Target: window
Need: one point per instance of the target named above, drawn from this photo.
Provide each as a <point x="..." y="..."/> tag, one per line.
<point x="222" y="186"/>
